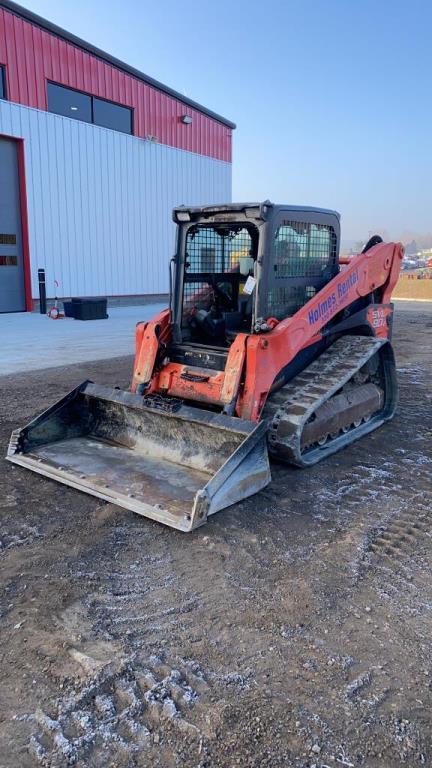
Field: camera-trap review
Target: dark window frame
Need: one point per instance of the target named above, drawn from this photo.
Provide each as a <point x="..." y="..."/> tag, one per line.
<point x="92" y="97"/>
<point x="297" y="271"/>
<point x="314" y="259"/>
<point x="74" y="90"/>
<point x="221" y="268"/>
<point x="3" y="82"/>
<point x="115" y="104"/>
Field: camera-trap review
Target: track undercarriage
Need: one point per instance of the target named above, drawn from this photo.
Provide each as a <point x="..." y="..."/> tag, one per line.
<point x="350" y="390"/>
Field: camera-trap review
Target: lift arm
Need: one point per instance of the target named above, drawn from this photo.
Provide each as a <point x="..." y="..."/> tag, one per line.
<point x="377" y="270"/>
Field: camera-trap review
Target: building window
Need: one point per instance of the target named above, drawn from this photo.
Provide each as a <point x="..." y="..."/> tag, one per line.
<point x="2" y="83"/>
<point x="7" y="239"/>
<point x="65" y="101"/>
<point x="81" y="106"/>
<point x="8" y="261"/>
<point x="111" y="115"/>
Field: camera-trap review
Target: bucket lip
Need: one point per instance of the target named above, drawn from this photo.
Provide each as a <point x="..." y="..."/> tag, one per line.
<point x="184" y="412"/>
<point x="181" y="523"/>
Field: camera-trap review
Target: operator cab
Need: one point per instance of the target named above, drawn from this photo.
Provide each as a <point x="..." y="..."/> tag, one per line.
<point x="238" y="265"/>
<point x="218" y="282"/>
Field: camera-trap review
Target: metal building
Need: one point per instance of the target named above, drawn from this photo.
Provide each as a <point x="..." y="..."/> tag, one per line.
<point x="93" y="156"/>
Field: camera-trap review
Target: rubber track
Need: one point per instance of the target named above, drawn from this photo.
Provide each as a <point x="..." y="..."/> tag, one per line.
<point x="289" y="409"/>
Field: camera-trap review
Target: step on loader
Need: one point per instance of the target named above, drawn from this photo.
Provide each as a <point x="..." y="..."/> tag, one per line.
<point x="271" y="347"/>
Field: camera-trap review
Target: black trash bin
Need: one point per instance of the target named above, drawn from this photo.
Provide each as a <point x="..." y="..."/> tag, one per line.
<point x="68" y="309"/>
<point x="90" y="308"/>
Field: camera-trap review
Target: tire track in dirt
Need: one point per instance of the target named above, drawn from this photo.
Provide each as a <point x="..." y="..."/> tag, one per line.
<point x="120" y="713"/>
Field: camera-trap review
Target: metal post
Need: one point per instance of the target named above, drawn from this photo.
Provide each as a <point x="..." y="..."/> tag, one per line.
<point x="42" y="292"/>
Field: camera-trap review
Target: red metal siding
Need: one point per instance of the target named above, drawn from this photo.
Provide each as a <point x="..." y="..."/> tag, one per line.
<point x="32" y="56"/>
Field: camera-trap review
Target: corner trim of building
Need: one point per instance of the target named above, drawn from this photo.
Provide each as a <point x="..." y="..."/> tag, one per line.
<point x="24" y="219"/>
<point x="24" y="226"/>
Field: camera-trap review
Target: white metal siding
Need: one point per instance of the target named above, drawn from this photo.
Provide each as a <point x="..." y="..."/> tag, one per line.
<point x="99" y="202"/>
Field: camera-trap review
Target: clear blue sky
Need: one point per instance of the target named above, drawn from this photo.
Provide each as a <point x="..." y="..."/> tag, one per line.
<point x="332" y="98"/>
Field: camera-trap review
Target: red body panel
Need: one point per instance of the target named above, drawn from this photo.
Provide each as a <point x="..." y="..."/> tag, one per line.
<point x="24" y="220"/>
<point x="148" y="338"/>
<point x="32" y="56"/>
<point x="24" y="226"/>
<point x="255" y="361"/>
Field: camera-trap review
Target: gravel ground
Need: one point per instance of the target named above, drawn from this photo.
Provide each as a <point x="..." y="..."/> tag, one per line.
<point x="293" y="630"/>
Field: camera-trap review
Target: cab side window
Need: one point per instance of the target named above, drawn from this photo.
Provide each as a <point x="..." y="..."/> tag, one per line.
<point x="303" y="259"/>
<point x="302" y="250"/>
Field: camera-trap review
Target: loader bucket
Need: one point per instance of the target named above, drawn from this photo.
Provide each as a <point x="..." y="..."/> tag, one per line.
<point x="176" y="467"/>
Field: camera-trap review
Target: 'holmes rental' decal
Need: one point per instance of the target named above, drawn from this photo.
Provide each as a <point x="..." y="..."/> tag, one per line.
<point x="329" y="306"/>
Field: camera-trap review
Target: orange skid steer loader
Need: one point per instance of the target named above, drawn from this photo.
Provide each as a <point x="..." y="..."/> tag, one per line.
<point x="269" y="347"/>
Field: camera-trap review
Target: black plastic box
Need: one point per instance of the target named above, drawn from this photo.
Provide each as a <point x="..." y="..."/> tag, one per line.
<point x="90" y="308"/>
<point x="68" y="309"/>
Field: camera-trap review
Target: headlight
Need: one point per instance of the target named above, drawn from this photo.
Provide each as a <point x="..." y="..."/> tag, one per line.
<point x="182" y="215"/>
